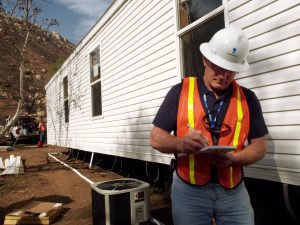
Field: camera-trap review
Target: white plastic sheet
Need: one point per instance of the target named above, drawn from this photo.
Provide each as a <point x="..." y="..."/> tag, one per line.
<point x="11" y="165"/>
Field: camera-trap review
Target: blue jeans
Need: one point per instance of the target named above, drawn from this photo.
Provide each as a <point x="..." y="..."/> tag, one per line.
<point x="194" y="205"/>
<point x="43" y="136"/>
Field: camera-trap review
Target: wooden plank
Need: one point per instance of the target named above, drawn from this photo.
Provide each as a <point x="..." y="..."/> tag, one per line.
<point x="26" y="222"/>
<point x="34" y="212"/>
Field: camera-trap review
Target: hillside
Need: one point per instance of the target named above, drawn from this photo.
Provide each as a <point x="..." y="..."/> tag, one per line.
<point x="45" y="50"/>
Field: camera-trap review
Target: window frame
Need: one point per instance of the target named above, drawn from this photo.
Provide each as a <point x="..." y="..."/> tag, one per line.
<point x="66" y="105"/>
<point x="94" y="82"/>
<point x="180" y="32"/>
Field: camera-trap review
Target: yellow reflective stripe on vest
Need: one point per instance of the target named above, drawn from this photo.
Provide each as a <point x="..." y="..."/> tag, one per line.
<point x="239" y="119"/>
<point x="191" y="101"/>
<point x="237" y="130"/>
<point x="192" y="124"/>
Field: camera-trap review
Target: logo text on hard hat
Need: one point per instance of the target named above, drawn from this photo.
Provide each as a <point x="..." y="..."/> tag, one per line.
<point x="233" y="52"/>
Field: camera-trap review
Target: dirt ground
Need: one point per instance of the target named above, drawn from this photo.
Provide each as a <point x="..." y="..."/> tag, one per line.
<point x="48" y="180"/>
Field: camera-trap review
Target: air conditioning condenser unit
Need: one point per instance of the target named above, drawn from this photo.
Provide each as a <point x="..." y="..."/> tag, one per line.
<point x="120" y="202"/>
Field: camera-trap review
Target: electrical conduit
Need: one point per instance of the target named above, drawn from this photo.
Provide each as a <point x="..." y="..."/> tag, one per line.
<point x="74" y="170"/>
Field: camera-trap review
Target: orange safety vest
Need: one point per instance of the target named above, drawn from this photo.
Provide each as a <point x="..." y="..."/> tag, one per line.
<point x="196" y="168"/>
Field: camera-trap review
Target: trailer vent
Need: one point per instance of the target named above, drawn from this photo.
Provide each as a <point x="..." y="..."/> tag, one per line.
<point x="122" y="201"/>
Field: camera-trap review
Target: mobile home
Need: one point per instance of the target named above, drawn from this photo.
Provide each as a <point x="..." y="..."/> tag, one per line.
<point x="105" y="96"/>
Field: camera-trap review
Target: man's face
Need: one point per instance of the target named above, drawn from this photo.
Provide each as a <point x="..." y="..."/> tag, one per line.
<point x="216" y="78"/>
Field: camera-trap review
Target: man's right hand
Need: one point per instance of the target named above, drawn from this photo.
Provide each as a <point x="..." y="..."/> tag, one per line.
<point x="167" y="143"/>
<point x="193" y="141"/>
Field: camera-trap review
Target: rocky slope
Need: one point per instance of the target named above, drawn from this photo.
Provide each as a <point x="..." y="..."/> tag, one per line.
<point x="44" y="52"/>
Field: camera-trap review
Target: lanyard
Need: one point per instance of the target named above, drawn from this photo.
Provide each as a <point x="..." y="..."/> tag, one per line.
<point x="212" y="121"/>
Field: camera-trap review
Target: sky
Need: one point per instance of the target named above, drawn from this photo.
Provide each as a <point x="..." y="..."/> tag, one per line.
<point x="75" y="17"/>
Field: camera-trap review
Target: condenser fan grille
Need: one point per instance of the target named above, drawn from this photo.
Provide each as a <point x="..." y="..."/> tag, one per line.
<point x="120" y="209"/>
<point x="119" y="185"/>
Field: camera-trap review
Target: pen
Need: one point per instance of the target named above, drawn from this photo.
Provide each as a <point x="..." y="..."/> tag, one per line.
<point x="190" y="128"/>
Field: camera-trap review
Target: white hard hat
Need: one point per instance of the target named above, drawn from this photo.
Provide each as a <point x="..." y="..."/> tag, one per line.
<point x="228" y="49"/>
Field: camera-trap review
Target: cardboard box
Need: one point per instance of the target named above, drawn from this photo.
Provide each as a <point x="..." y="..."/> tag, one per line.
<point x="34" y="212"/>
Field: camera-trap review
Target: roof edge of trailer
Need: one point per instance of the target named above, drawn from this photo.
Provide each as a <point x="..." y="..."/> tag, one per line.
<point x="106" y="16"/>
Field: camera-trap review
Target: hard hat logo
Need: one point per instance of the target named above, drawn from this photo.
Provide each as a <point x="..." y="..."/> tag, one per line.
<point x="228" y="49"/>
<point x="233" y="52"/>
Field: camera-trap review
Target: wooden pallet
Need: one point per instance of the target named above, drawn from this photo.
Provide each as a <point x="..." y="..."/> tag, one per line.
<point x="34" y="212"/>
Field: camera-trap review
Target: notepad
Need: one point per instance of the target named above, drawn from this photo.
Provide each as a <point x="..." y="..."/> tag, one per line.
<point x="216" y="149"/>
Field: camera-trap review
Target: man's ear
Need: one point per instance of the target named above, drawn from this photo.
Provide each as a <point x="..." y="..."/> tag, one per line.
<point x="204" y="61"/>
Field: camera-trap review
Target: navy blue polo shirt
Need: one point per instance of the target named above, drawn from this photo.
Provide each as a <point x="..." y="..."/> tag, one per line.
<point x="166" y="117"/>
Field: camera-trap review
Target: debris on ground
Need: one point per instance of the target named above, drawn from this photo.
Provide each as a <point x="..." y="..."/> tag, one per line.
<point x="6" y="148"/>
<point x="34" y="212"/>
<point x="11" y="165"/>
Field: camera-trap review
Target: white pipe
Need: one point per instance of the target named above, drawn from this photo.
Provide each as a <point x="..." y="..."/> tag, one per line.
<point x="76" y="171"/>
<point x="91" y="162"/>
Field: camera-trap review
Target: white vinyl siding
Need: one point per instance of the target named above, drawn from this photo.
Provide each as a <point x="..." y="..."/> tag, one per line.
<point x="273" y="30"/>
<point x="138" y="68"/>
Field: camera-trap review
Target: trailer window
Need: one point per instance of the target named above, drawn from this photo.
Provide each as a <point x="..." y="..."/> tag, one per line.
<point x="198" y="20"/>
<point x="192" y="10"/>
<point x="95" y="79"/>
<point x="66" y="99"/>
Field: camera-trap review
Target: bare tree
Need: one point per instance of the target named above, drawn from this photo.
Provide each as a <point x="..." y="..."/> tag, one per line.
<point x="18" y="20"/>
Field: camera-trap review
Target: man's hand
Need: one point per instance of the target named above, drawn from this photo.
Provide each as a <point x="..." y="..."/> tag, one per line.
<point x="193" y="141"/>
<point x="252" y="153"/>
<point x="167" y="143"/>
<point x="224" y="159"/>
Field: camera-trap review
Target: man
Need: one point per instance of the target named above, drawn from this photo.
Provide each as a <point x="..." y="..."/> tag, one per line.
<point x="212" y="110"/>
<point x="42" y="130"/>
